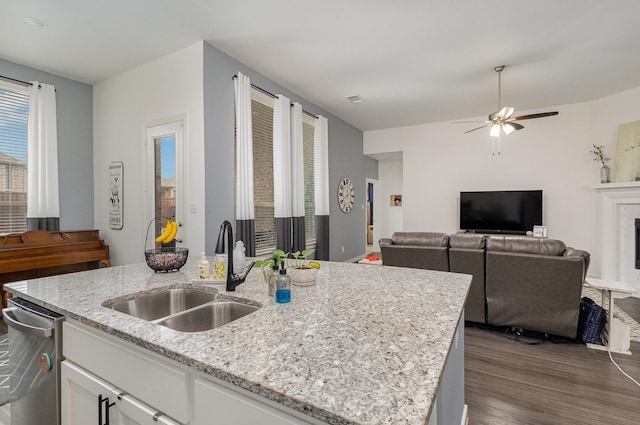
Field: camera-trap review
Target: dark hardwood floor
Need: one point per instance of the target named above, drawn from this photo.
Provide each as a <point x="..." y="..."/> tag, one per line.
<point x="508" y="382"/>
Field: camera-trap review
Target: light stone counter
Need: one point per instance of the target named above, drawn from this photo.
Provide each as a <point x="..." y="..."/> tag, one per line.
<point x="365" y="345"/>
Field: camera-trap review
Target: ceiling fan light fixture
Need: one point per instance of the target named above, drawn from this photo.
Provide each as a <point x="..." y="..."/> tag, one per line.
<point x="495" y="130"/>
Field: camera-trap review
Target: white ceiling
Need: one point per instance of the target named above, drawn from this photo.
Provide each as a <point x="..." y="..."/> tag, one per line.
<point x="413" y="61"/>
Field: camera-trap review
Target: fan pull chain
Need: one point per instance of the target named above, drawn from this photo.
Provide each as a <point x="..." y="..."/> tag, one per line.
<point x="494" y="140"/>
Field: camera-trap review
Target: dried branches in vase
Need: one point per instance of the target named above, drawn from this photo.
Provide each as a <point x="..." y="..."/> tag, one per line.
<point x="598" y="152"/>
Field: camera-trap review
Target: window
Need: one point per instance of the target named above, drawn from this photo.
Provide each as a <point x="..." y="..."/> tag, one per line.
<point x="265" y="228"/>
<point x="14" y="110"/>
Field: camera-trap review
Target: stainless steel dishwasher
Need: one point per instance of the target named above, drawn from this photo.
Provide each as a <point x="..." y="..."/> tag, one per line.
<point x="35" y="349"/>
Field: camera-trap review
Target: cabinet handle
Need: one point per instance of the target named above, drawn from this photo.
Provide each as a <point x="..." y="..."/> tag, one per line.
<point x="107" y="405"/>
<point x="100" y="409"/>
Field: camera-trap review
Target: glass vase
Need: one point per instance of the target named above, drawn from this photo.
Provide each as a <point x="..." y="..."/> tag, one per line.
<point x="604" y="174"/>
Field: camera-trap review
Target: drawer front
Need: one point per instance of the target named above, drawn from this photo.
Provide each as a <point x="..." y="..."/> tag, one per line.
<point x="216" y="404"/>
<point x="164" y="387"/>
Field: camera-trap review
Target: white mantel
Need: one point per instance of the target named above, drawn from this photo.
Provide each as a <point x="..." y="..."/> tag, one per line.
<point x="615" y="199"/>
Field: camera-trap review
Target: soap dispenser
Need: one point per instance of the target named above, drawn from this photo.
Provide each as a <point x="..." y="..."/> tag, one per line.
<point x="283" y="286"/>
<point x="273" y="279"/>
<point x="204" y="268"/>
<point x="220" y="267"/>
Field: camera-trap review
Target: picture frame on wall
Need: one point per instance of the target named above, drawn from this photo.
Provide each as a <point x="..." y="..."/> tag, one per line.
<point x="396" y="200"/>
<point x="116" y="195"/>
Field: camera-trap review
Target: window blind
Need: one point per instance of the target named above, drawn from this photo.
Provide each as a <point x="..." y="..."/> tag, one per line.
<point x="14" y="110"/>
<point x="262" y="127"/>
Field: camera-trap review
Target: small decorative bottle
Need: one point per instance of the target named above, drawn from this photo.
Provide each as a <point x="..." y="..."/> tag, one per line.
<point x="272" y="280"/>
<point x="204" y="268"/>
<point x="283" y="286"/>
<point x="220" y="268"/>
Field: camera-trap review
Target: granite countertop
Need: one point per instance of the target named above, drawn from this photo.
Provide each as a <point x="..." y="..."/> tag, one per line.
<point x="365" y="345"/>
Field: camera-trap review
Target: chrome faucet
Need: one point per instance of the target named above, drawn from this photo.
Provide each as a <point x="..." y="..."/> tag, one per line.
<point x="233" y="280"/>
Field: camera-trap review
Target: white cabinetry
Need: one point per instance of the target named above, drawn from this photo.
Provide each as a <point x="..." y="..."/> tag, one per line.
<point x="215" y="403"/>
<point x="124" y="368"/>
<point x="87" y="399"/>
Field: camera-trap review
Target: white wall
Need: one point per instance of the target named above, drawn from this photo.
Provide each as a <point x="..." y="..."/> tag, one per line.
<point x="122" y="108"/>
<point x="551" y="154"/>
<point x="390" y="177"/>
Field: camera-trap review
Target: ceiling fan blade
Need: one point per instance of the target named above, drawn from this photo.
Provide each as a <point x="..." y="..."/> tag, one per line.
<point x="516" y="126"/>
<point x="502" y="114"/>
<point x="505" y="112"/>
<point x="531" y="116"/>
<point x="474" y="129"/>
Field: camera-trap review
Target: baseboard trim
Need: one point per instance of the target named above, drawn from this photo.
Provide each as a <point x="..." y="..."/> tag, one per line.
<point x="465" y="418"/>
<point x="354" y="259"/>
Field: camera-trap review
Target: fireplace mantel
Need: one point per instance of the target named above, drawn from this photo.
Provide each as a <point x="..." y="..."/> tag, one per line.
<point x="613" y="197"/>
<point x="613" y="186"/>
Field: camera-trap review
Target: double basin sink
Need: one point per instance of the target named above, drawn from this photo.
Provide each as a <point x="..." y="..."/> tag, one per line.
<point x="184" y="309"/>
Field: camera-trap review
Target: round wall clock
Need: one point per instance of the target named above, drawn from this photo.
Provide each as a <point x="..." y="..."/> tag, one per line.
<point x="346" y="195"/>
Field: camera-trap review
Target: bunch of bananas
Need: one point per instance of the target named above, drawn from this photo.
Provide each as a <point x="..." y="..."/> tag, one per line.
<point x="170" y="232"/>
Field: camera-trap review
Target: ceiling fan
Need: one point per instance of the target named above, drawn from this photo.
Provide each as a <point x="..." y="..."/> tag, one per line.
<point x="502" y="119"/>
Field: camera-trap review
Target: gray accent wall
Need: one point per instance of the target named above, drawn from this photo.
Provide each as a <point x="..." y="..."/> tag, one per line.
<point x="74" y="108"/>
<point x="345" y="156"/>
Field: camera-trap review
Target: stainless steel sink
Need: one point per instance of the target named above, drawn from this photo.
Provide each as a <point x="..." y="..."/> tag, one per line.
<point x="184" y="309"/>
<point x="208" y="316"/>
<point x="163" y="304"/>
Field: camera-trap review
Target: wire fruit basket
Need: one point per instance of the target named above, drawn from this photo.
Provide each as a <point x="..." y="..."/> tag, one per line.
<point x="166" y="258"/>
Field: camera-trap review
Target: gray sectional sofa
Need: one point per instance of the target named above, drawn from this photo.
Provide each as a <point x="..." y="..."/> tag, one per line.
<point x="526" y="282"/>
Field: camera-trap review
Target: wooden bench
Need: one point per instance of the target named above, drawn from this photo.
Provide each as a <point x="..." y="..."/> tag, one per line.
<point x="41" y="253"/>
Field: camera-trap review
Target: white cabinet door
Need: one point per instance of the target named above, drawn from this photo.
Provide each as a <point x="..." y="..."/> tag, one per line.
<point x="150" y="379"/>
<point x="83" y="398"/>
<point x="87" y="400"/>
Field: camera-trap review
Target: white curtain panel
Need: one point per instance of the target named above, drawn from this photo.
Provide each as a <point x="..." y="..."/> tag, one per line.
<point x="282" y="157"/>
<point x="244" y="149"/>
<point x="297" y="162"/>
<point x="321" y="165"/>
<point x="42" y="153"/>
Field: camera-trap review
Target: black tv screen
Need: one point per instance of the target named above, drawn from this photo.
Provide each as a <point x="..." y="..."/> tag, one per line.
<point x="511" y="211"/>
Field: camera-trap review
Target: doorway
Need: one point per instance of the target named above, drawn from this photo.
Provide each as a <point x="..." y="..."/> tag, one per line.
<point x="165" y="183"/>
<point x="372" y="215"/>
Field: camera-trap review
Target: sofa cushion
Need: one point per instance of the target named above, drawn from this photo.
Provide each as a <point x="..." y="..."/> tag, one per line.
<point x="467" y="241"/>
<point x="420" y="238"/>
<point x="526" y="245"/>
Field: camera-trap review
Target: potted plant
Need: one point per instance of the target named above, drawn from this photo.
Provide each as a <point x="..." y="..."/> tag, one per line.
<point x="303" y="272"/>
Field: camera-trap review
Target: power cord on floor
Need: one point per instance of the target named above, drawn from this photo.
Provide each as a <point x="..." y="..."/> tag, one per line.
<point x="620" y="369"/>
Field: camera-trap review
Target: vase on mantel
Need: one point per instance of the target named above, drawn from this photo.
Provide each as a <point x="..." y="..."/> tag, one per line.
<point x="604" y="174"/>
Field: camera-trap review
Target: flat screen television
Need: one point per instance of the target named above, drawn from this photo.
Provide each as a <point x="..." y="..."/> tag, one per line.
<point x="509" y="211"/>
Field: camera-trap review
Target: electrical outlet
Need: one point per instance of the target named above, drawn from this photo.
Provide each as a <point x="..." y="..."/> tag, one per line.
<point x="343" y="250"/>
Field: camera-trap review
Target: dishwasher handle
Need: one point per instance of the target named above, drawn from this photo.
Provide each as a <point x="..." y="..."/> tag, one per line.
<point x="10" y="319"/>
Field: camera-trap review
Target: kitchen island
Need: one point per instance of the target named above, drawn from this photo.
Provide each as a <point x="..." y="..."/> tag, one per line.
<point x="364" y="345"/>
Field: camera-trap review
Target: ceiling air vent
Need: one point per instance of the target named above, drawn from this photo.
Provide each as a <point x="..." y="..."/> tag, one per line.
<point x="355" y="98"/>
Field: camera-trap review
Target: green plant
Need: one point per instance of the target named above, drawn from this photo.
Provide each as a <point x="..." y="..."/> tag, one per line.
<point x="300" y="261"/>
<point x="267" y="263"/>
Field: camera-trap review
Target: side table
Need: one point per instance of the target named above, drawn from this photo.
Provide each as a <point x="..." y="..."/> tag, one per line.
<point x="612" y="289"/>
